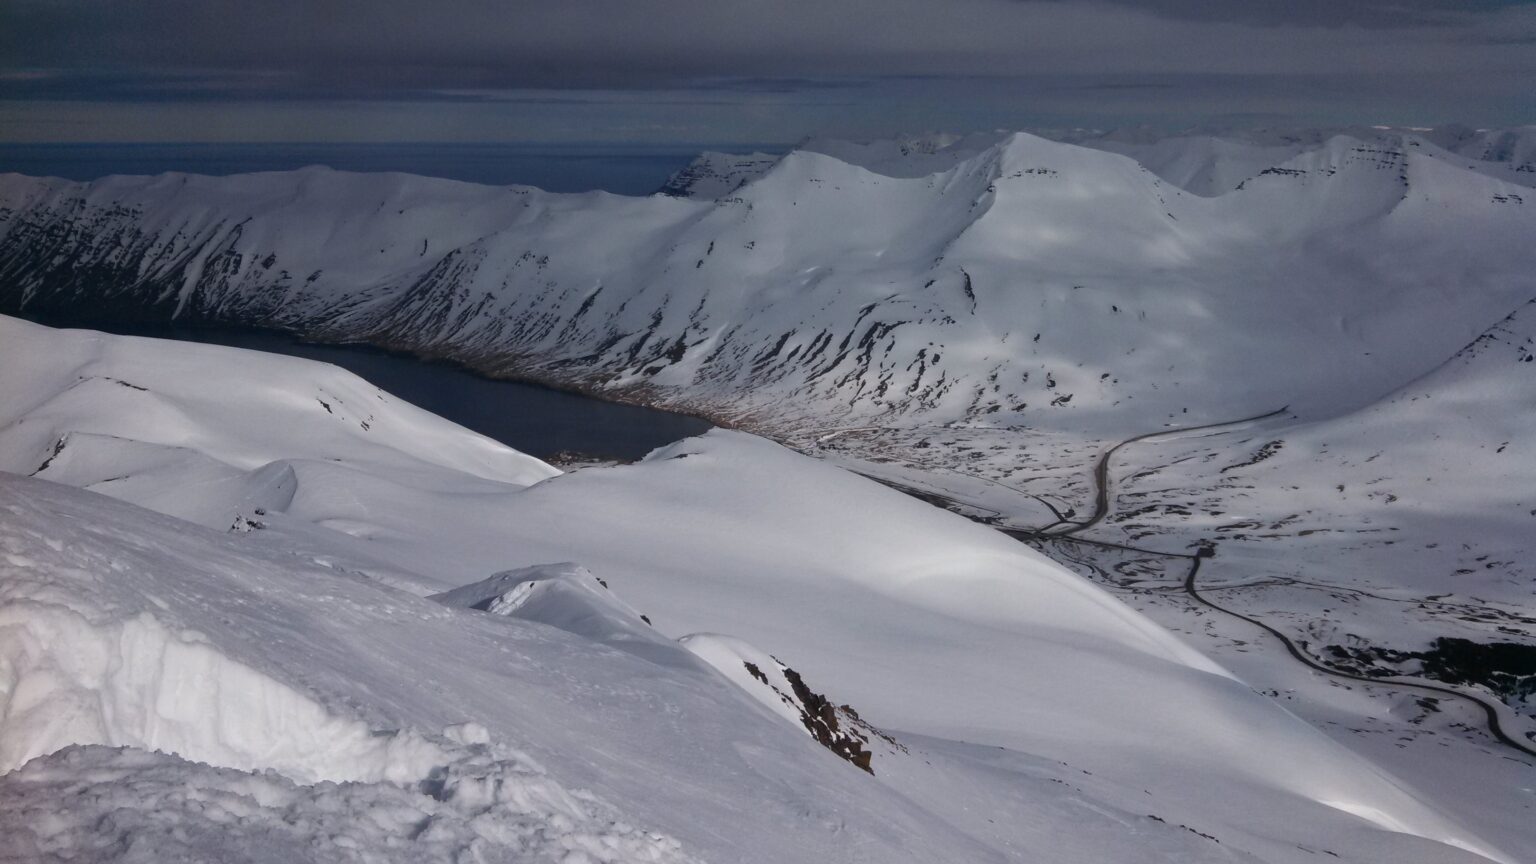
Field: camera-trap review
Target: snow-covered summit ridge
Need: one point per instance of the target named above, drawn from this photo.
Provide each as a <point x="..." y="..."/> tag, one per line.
<point x="1205" y="162"/>
<point x="1002" y="279"/>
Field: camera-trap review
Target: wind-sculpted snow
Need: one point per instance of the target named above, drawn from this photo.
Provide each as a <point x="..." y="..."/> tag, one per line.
<point x="568" y="597"/>
<point x="1002" y="278"/>
<point x="133" y="682"/>
<point x="141" y="632"/>
<point x="117" y="415"/>
<point x="99" y="646"/>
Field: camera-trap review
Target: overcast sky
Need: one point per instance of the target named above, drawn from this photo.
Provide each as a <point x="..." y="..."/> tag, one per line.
<point x="745" y="70"/>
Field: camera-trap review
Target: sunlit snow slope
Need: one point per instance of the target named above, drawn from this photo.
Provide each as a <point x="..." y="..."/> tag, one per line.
<point x="524" y="712"/>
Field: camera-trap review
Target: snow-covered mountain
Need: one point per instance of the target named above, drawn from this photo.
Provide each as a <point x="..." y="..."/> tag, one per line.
<point x="1213" y="162"/>
<point x="1125" y="348"/>
<point x="1022" y="281"/>
<point x="382" y="663"/>
<point x="1206" y="162"/>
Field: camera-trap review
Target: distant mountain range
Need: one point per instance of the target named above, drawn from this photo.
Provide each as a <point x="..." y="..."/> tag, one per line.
<point x="999" y="276"/>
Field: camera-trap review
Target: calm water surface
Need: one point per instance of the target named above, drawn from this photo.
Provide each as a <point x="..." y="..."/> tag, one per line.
<point x="533" y="419"/>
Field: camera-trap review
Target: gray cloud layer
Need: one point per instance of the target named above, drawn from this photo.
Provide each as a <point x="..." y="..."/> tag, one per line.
<point x="1361" y="52"/>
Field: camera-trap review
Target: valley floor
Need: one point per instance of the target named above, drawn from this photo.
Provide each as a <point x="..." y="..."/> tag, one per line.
<point x="1311" y="608"/>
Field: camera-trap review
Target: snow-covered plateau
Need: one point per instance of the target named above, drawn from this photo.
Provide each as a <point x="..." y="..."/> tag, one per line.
<point x="1259" y="403"/>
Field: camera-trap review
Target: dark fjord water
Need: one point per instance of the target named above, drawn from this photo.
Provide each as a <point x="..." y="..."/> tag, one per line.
<point x="536" y="420"/>
<point x="533" y="419"/>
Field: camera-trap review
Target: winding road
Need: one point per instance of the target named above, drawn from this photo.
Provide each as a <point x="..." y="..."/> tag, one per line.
<point x="1102" y="478"/>
<point x="1490" y="713"/>
<point x="1208" y="550"/>
<point x="1101" y="468"/>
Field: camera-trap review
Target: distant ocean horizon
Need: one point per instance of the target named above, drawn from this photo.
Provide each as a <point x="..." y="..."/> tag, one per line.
<point x="625" y="169"/>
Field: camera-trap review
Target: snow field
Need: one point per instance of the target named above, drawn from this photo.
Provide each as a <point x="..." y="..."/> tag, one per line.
<point x="923" y="621"/>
